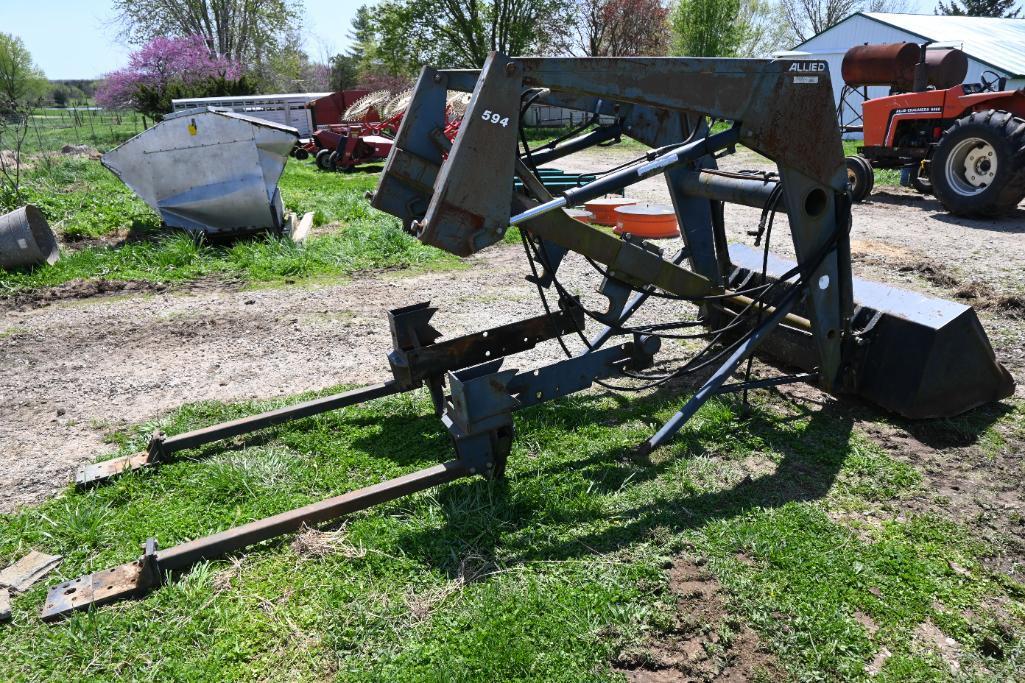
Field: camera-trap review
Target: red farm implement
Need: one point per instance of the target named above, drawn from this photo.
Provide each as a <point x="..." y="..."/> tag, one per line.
<point x="367" y="130"/>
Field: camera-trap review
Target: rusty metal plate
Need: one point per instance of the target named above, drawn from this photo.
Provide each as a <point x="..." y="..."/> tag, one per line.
<point x="98" y="471"/>
<point x="20" y="576"/>
<point x="95" y="589"/>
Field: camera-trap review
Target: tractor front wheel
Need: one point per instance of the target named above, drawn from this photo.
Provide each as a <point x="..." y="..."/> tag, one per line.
<point x="978" y="168"/>
<point x="860" y="178"/>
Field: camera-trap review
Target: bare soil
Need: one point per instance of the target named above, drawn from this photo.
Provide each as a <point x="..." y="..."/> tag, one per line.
<point x="704" y="644"/>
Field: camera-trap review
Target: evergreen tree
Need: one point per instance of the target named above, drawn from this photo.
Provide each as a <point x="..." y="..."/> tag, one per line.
<point x="979" y="8"/>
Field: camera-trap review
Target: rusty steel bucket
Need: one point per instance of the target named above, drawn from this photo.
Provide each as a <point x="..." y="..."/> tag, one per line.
<point x="26" y="239"/>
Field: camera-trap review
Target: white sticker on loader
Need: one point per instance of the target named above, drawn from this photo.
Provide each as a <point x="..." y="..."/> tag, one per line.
<point x="806" y="79"/>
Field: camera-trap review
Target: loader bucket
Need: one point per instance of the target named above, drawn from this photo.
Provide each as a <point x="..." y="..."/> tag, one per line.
<point x="208" y="171"/>
<point x="916" y="355"/>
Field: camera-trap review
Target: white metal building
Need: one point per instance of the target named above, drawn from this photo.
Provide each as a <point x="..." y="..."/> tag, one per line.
<point x="288" y="110"/>
<point x="996" y="45"/>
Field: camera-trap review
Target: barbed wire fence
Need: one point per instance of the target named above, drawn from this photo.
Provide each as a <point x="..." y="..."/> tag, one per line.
<point x="53" y="130"/>
<point x="34" y="141"/>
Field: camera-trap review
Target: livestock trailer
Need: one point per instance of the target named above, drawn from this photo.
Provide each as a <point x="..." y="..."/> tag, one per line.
<point x="286" y="110"/>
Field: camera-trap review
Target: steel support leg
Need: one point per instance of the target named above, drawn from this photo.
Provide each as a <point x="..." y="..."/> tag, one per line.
<point x="715" y="382"/>
<point x="139" y="577"/>
<point x="161" y="447"/>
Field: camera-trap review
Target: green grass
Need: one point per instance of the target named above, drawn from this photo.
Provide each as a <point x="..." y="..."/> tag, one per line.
<point x="546" y="575"/>
<point x="82" y="199"/>
<point x="537" y="137"/>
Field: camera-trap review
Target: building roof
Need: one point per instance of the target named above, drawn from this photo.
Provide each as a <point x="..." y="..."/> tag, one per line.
<point x="998" y="43"/>
<point x="279" y="97"/>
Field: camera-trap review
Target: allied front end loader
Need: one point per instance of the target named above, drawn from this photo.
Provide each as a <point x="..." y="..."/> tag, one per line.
<point x="913" y="355"/>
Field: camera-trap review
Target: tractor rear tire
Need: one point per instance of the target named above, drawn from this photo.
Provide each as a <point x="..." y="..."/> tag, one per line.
<point x="324" y="161"/>
<point x="859" y="178"/>
<point x="978" y="168"/>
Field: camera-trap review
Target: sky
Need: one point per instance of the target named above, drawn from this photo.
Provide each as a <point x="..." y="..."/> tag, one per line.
<point x="77" y="39"/>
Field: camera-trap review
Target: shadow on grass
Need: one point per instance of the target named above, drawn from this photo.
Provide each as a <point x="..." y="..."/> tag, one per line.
<point x="958" y="431"/>
<point x="811" y="461"/>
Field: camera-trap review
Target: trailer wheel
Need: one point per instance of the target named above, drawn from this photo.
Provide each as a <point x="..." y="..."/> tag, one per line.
<point x="859" y="178"/>
<point x="324" y="162"/>
<point x="978" y="168"/>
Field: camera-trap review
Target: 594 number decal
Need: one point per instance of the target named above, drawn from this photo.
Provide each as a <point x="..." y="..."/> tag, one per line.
<point x="495" y="117"/>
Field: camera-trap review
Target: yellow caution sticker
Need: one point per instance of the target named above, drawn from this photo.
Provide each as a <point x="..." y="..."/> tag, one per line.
<point x="192" y="127"/>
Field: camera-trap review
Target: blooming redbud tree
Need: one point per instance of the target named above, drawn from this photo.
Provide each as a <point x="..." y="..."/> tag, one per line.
<point x="166" y="68"/>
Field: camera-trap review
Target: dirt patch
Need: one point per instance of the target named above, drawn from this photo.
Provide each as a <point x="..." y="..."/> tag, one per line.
<point x="867" y="248"/>
<point x="88" y="289"/>
<point x="875" y="667"/>
<point x="81" y="151"/>
<point x="933" y="273"/>
<point x="75" y="289"/>
<point x="867" y="622"/>
<point x="979" y="295"/>
<point x="705" y="643"/>
<point x="929" y="637"/>
<point x="9" y="160"/>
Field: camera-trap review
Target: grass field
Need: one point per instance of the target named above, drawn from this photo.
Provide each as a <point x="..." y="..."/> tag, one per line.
<point x="556" y="573"/>
<point x="84" y="201"/>
<point x="50" y="129"/>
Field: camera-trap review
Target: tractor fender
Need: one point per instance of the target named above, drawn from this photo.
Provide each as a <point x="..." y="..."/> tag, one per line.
<point x="1012" y="101"/>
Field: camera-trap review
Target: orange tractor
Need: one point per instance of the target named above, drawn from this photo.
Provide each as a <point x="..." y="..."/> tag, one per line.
<point x="962" y="142"/>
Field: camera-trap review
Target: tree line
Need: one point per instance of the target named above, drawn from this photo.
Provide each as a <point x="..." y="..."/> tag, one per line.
<point x="392" y="39"/>
<point x="192" y="48"/>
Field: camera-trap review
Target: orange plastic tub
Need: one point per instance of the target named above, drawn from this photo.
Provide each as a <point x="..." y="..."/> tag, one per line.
<point x="582" y="215"/>
<point x="650" y="221"/>
<point x="603" y="209"/>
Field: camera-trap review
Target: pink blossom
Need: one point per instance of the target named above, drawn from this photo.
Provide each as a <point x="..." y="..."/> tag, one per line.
<point x="161" y="61"/>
